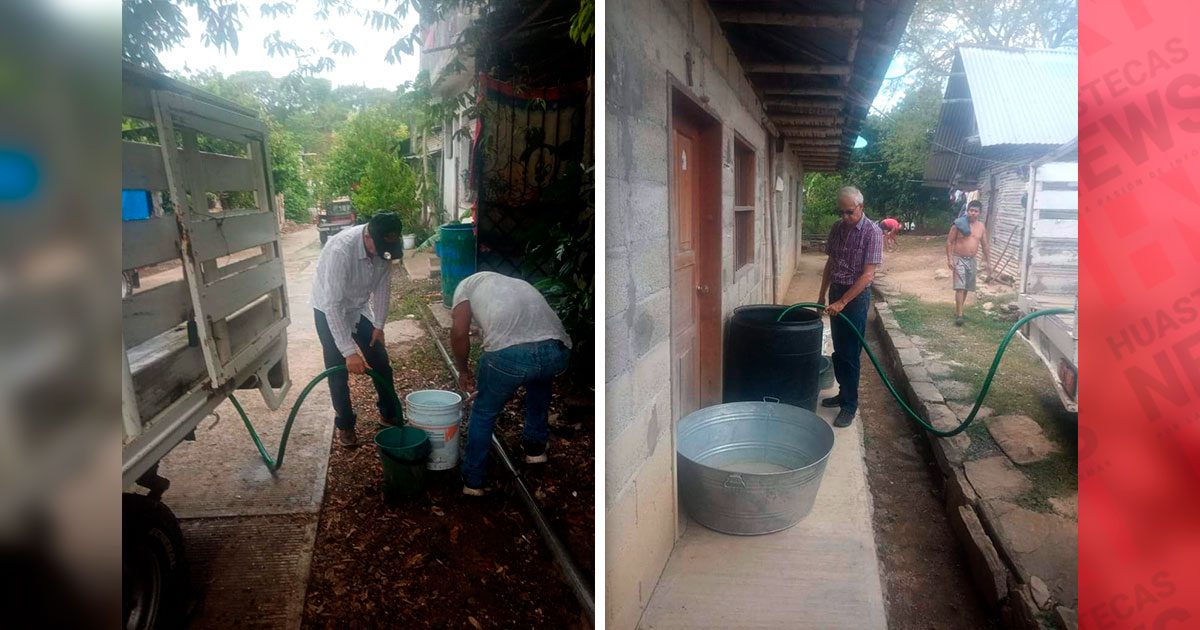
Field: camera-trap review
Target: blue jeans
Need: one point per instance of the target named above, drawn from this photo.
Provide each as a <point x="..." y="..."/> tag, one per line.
<point x="500" y="373"/>
<point x="847" y="349"/>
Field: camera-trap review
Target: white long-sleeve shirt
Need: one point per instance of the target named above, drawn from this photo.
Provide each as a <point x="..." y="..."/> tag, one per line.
<point x="349" y="283"/>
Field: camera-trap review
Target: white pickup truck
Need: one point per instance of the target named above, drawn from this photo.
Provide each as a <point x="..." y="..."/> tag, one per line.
<point x="1049" y="271"/>
<point x="210" y="318"/>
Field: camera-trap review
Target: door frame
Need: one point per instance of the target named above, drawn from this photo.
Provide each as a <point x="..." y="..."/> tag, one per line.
<point x="709" y="220"/>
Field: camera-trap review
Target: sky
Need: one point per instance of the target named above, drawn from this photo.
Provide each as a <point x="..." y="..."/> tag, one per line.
<point x="368" y="66"/>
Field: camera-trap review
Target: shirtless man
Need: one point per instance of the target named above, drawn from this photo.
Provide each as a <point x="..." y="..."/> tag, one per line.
<point x="960" y="257"/>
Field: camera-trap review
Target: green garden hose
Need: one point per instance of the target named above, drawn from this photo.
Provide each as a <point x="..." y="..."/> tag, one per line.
<point x="273" y="464"/>
<point x="987" y="382"/>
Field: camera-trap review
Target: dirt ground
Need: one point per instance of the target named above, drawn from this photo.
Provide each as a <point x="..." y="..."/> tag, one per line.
<point x="926" y="582"/>
<point x="441" y="560"/>
<point x="913" y="265"/>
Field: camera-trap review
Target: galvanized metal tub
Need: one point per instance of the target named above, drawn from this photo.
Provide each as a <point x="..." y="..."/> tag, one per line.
<point x="751" y="468"/>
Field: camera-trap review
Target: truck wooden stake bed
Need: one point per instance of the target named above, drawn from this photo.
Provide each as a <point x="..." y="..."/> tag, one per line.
<point x="212" y="320"/>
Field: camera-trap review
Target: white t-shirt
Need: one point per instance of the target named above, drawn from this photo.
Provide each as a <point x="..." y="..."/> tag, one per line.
<point x="509" y="311"/>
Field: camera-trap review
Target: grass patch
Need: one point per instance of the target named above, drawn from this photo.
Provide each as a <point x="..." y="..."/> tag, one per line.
<point x="1022" y="385"/>
<point x="407" y="303"/>
<point x="1055" y="476"/>
<point x="982" y="444"/>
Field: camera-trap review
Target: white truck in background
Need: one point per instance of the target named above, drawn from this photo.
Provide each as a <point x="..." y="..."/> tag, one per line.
<point x="209" y="318"/>
<point x="1049" y="267"/>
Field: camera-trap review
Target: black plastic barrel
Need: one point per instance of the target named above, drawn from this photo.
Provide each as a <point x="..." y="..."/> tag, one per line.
<point x="767" y="360"/>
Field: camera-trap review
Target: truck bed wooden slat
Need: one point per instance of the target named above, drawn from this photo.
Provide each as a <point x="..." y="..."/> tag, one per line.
<point x="227" y="296"/>
<point x="148" y="242"/>
<point x="215" y="237"/>
<point x="153" y="312"/>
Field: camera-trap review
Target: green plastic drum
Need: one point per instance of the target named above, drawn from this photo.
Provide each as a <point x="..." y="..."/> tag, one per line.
<point x="456" y="249"/>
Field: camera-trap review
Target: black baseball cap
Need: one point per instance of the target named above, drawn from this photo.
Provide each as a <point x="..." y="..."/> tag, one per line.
<point x="385" y="230"/>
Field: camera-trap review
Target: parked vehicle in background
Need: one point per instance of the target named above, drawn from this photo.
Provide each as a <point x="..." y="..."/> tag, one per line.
<point x="337" y="216"/>
<point x="1049" y="271"/>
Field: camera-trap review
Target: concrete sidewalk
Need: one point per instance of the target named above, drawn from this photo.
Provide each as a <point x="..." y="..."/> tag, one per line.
<point x="822" y="573"/>
<point x="249" y="534"/>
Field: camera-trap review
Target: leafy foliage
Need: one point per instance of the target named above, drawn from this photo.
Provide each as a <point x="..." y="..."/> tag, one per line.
<point x="888" y="170"/>
<point x="583" y="25"/>
<point x="367" y="163"/>
<point x="388" y="185"/>
<point x="287" y="171"/>
<point x="937" y="26"/>
<point x="567" y="245"/>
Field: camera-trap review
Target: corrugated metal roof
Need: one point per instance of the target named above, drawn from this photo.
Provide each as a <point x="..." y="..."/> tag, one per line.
<point x="1022" y="95"/>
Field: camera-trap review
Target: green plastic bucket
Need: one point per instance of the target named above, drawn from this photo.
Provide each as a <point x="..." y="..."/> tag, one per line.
<point x="402" y="451"/>
<point x="456" y="249"/>
<point x="405" y="444"/>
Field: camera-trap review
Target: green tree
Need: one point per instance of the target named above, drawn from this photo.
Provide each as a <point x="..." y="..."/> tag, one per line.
<point x="373" y="132"/>
<point x="937" y="26"/>
<point x="287" y="170"/>
<point x="367" y="163"/>
<point x="389" y="185"/>
<point x="888" y="170"/>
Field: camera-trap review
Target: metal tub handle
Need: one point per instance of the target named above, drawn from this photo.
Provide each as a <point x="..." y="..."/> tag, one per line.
<point x="735" y="481"/>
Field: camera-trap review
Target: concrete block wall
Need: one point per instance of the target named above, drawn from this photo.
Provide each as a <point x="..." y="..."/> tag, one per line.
<point x="788" y="205"/>
<point x="643" y="53"/>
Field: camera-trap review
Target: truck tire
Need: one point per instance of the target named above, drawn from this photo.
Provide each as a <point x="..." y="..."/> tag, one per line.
<point x="154" y="570"/>
<point x="324" y="237"/>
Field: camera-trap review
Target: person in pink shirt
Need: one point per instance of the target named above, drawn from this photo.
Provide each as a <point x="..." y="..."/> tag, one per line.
<point x="891" y="227"/>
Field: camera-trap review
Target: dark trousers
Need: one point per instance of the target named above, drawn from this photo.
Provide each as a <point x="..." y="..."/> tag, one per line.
<point x="339" y="382"/>
<point x="847" y="349"/>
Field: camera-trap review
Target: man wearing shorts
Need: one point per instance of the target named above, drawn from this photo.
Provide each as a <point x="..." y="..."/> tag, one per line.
<point x="961" y="248"/>
<point x="890" y="227"/>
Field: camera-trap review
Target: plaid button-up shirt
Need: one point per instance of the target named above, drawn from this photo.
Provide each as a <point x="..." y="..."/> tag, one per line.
<point x="853" y="247"/>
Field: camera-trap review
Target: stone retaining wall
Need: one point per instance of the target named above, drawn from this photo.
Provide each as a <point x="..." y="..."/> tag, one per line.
<point x="993" y="534"/>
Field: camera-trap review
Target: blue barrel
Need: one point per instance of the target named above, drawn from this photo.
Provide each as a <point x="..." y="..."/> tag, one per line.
<point x="456" y="248"/>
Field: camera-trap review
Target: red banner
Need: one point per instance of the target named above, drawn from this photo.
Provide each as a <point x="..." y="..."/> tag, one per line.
<point x="1139" y="321"/>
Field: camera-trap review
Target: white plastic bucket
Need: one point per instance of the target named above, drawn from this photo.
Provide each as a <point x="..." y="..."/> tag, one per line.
<point x="437" y="413"/>
<point x="410" y="241"/>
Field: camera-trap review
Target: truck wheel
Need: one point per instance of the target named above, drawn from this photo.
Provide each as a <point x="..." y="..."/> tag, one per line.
<point x="154" y="571"/>
<point x="324" y="237"/>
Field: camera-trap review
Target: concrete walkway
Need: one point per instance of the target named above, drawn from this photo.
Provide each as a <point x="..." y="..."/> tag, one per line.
<point x="249" y="535"/>
<point x="822" y="573"/>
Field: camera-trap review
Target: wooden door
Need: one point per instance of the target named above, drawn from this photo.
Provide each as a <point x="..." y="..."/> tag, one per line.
<point x="684" y="277"/>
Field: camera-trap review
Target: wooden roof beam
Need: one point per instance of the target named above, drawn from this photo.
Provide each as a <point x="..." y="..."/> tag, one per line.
<point x="788" y="18"/>
<point x="827" y="92"/>
<point x="800" y="132"/>
<point x="786" y="120"/>
<point x="787" y="103"/>
<point x="760" y="67"/>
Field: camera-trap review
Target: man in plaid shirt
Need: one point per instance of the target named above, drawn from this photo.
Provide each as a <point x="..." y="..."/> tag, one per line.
<point x="855" y="250"/>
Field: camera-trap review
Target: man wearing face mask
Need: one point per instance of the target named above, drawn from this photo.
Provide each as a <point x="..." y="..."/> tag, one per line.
<point x="350" y="295"/>
<point x="855" y="249"/>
